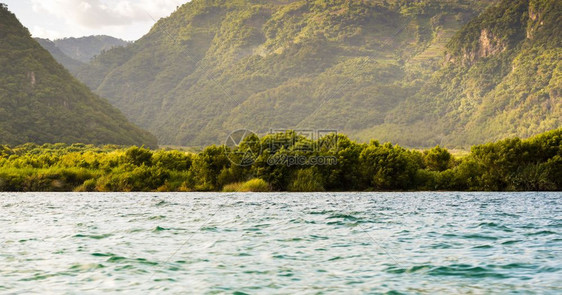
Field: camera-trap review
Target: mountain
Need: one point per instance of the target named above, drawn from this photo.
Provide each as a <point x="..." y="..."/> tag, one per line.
<point x="214" y="65"/>
<point x="85" y="48"/>
<point x="418" y="73"/>
<point x="72" y="65"/>
<point x="75" y="53"/>
<point x="502" y="77"/>
<point x="41" y="102"/>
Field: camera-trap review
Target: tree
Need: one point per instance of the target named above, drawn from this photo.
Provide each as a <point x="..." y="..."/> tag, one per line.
<point x="388" y="167"/>
<point x="437" y="159"/>
<point x="344" y="175"/>
<point x="208" y="165"/>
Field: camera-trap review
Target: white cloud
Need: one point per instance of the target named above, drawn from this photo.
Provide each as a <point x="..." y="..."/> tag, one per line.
<point x="41" y="32"/>
<point x="96" y="14"/>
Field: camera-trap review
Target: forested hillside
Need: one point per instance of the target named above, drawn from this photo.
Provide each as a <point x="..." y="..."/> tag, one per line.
<point x="502" y="77"/>
<point x="215" y="65"/>
<point x="41" y="102"/>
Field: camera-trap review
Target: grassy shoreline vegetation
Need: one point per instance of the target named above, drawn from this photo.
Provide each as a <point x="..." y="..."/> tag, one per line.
<point x="507" y="165"/>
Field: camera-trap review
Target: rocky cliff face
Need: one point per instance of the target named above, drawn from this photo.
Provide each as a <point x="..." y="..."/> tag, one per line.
<point x="502" y="77"/>
<point x="502" y="28"/>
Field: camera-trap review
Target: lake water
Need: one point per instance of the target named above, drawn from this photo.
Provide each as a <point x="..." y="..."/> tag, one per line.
<point x="317" y="243"/>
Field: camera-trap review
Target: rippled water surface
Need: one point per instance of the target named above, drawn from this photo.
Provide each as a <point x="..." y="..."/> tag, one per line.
<point x="317" y="243"/>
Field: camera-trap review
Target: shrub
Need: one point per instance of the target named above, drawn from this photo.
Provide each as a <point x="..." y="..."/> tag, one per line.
<point x="88" y="186"/>
<point x="138" y="156"/>
<point x="308" y="180"/>
<point x="253" y="185"/>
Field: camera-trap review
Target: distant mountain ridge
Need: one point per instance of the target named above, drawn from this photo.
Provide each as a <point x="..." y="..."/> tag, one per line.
<point x="40" y="102"/>
<point x="72" y="65"/>
<point x="85" y="48"/>
<point x="74" y="53"/>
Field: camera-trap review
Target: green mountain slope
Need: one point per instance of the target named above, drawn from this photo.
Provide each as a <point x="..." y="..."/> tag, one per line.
<point x="215" y="66"/>
<point x="502" y="77"/>
<point x="41" y="102"/>
<point x="72" y="65"/>
<point x="85" y="48"/>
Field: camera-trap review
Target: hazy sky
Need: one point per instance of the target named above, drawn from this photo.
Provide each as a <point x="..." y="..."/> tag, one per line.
<point x="126" y="19"/>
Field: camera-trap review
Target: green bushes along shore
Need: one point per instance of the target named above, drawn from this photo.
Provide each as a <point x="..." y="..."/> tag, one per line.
<point x="260" y="164"/>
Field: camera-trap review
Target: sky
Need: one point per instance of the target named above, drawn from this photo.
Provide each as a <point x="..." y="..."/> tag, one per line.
<point x="125" y="19"/>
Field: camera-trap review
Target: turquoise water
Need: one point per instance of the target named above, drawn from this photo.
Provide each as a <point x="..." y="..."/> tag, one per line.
<point x="318" y="243"/>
